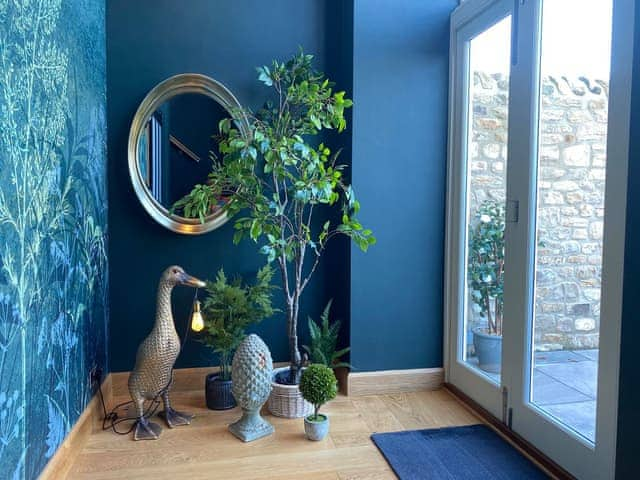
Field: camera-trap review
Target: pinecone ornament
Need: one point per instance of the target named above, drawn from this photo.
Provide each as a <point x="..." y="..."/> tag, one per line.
<point x="251" y="372"/>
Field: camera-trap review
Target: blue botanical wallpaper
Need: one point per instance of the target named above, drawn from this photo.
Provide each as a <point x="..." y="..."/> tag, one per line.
<point x="53" y="214"/>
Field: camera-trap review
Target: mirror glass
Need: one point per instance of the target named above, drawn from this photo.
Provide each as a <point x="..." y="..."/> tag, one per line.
<point x="176" y="144"/>
<point x="172" y="142"/>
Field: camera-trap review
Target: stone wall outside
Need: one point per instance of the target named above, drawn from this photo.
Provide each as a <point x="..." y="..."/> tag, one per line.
<point x="571" y="187"/>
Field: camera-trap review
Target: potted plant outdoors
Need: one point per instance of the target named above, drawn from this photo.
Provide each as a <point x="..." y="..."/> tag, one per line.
<point x="229" y="308"/>
<point x="318" y="385"/>
<point x="280" y="178"/>
<point x="485" y="273"/>
<point x="324" y="342"/>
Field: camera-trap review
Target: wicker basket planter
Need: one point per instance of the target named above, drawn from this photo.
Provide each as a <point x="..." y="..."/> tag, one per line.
<point x="286" y="400"/>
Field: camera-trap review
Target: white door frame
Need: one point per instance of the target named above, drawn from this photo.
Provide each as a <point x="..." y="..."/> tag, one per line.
<point x="579" y="457"/>
<point x="576" y="454"/>
<point x="468" y="20"/>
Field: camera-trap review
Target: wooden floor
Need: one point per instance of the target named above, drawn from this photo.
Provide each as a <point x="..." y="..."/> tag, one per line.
<point x="206" y="450"/>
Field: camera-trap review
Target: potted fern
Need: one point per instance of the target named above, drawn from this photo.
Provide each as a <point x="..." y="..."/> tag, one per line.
<point x="282" y="181"/>
<point x="323" y="347"/>
<point x="318" y="385"/>
<point x="485" y="274"/>
<point x="229" y="308"/>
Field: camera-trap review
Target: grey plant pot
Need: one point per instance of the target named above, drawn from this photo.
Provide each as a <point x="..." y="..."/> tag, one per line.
<point x="218" y="393"/>
<point x="316" y="431"/>
<point x="488" y="350"/>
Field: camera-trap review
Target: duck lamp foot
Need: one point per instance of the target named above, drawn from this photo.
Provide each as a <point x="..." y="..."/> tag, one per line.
<point x="173" y="418"/>
<point x="146" y="430"/>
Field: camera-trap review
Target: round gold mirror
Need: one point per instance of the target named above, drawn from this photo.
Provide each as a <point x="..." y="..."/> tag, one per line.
<point x="170" y="146"/>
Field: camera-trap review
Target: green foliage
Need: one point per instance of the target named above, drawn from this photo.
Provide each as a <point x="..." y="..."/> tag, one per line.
<point x="199" y="204"/>
<point x="279" y="175"/>
<point x="53" y="220"/>
<point x="485" y="269"/>
<point x="318" y="385"/>
<point x="324" y="341"/>
<point x="229" y="308"/>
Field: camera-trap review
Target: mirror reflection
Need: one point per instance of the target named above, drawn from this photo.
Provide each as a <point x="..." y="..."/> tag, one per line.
<point x="175" y="146"/>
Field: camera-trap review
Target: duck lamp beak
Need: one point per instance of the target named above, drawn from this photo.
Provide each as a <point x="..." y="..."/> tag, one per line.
<point x="190" y="281"/>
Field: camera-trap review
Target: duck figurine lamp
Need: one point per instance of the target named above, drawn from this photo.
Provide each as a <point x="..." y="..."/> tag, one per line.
<point x="152" y="374"/>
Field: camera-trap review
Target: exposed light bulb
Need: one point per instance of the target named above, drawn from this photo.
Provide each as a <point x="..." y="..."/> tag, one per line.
<point x="197" y="322"/>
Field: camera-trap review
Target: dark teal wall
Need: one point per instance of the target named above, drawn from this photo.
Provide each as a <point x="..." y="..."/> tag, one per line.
<point x="53" y="223"/>
<point x="398" y="71"/>
<point x="399" y="164"/>
<point x="148" y="41"/>
<point x="627" y="463"/>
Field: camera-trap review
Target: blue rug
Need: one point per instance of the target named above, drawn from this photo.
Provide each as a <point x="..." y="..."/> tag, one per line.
<point x="457" y="453"/>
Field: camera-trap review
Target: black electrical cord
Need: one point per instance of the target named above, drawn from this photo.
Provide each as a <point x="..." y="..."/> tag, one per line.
<point x="111" y="419"/>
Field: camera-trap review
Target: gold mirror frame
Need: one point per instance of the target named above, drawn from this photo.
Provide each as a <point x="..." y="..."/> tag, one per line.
<point x="176" y="85"/>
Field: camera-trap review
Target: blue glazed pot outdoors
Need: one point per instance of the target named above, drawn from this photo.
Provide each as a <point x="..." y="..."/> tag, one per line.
<point x="316" y="430"/>
<point x="488" y="350"/>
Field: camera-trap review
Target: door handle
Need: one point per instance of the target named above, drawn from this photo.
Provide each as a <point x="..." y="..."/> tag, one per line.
<point x="512" y="212"/>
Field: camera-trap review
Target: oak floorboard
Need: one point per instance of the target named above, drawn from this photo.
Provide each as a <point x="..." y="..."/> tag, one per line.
<point x="277" y="464"/>
<point x="377" y="415"/>
<point x="375" y="473"/>
<point x="206" y="450"/>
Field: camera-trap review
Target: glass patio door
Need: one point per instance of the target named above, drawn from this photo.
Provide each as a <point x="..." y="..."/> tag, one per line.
<point x="478" y="192"/>
<point x="565" y="273"/>
<point x="540" y="98"/>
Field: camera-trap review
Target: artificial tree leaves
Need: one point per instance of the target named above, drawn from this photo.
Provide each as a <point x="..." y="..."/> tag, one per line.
<point x="279" y="175"/>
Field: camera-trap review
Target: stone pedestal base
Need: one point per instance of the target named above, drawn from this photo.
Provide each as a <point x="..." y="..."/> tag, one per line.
<point x="251" y="426"/>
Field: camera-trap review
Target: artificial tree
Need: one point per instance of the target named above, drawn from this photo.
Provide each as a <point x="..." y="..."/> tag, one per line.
<point x="280" y="175"/>
<point x="485" y="268"/>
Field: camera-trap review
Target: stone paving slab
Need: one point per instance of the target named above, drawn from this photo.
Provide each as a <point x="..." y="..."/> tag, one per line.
<point x="560" y="356"/>
<point x="589" y="354"/>
<point x="565" y="386"/>
<point x="581" y="376"/>
<point x="549" y="391"/>
<point x="580" y="417"/>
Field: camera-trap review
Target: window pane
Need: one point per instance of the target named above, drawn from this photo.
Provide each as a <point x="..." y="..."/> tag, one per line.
<point x="486" y="193"/>
<point x="574" y="87"/>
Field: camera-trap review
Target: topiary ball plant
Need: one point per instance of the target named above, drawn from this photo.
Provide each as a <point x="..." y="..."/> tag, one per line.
<point x="318" y="385"/>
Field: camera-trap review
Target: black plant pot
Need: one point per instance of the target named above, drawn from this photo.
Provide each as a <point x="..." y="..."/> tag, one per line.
<point x="218" y="393"/>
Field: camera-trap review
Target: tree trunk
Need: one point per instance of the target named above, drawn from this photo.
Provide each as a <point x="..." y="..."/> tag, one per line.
<point x="490" y="324"/>
<point x="294" y="351"/>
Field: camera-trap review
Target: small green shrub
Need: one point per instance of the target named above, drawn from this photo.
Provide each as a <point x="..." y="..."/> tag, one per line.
<point x="318" y="385"/>
<point x="229" y="308"/>
<point x="324" y="341"/>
